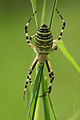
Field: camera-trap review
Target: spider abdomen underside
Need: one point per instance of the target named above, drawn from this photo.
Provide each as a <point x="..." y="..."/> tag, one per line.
<point x="43" y="40"/>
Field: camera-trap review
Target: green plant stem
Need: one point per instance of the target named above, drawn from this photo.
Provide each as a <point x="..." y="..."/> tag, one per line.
<point x="52" y="14"/>
<point x="35" y="92"/>
<point x="45" y="99"/>
<point x="44" y="83"/>
<point x="52" y="108"/>
<point x="68" y="56"/>
<point x="43" y="12"/>
<point x="33" y="2"/>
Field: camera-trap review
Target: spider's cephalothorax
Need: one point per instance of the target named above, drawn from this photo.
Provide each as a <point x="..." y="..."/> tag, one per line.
<point x="44" y="43"/>
<point x="43" y="40"/>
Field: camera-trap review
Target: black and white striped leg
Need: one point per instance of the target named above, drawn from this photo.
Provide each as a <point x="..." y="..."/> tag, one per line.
<point x="29" y="74"/>
<point x="32" y="37"/>
<point x="54" y="47"/>
<point x="26" y="32"/>
<point x="61" y="33"/>
<point x="51" y="75"/>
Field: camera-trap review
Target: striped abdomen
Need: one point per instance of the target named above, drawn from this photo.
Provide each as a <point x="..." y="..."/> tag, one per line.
<point x="43" y="40"/>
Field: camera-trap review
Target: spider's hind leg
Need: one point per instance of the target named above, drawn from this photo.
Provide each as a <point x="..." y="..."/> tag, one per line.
<point x="29" y="74"/>
<point x="51" y="75"/>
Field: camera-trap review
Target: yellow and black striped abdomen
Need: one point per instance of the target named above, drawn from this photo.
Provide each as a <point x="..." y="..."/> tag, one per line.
<point x="43" y="40"/>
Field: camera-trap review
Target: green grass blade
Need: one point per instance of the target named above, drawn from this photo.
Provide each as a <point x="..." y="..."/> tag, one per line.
<point x="34" y="7"/>
<point x="33" y="2"/>
<point x="35" y="92"/>
<point x="44" y="83"/>
<point x="45" y="100"/>
<point x="52" y="14"/>
<point x="43" y="12"/>
<point x="68" y="56"/>
<point x="51" y="25"/>
<point x="54" y="116"/>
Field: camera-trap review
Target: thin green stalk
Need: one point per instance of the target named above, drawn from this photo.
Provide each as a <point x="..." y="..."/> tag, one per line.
<point x="34" y="7"/>
<point x="43" y="12"/>
<point x="45" y="100"/>
<point x="44" y="83"/>
<point x="68" y="56"/>
<point x="35" y="92"/>
<point x="51" y="25"/>
<point x="33" y="2"/>
<point x="52" y="108"/>
<point x="52" y="14"/>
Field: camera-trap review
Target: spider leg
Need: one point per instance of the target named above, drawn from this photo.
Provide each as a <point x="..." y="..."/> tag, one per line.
<point x="51" y="75"/>
<point x="54" y="47"/>
<point x="32" y="37"/>
<point x="60" y="36"/>
<point x="26" y="32"/>
<point x="29" y="74"/>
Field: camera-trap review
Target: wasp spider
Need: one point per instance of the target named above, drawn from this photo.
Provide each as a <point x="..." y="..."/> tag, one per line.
<point x="43" y="45"/>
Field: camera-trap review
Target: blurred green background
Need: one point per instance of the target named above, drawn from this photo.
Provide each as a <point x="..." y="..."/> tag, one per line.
<point x="16" y="58"/>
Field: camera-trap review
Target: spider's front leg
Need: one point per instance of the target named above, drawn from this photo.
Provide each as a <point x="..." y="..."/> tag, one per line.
<point x="29" y="74"/>
<point x="26" y="32"/>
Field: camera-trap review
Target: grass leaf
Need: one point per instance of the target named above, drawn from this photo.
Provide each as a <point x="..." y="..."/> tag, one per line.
<point x="44" y="83"/>
<point x="43" y="12"/>
<point x="52" y="14"/>
<point x="34" y="7"/>
<point x="68" y="56"/>
<point x="45" y="99"/>
<point x="52" y="108"/>
<point x="35" y="93"/>
<point x="51" y="25"/>
<point x="33" y="2"/>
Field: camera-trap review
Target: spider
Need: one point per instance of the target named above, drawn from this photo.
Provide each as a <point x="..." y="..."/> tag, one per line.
<point x="43" y="45"/>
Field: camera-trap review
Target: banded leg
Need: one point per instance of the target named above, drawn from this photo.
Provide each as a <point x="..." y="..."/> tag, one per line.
<point x="54" y="47"/>
<point x="29" y="74"/>
<point x="51" y="75"/>
<point x="60" y="36"/>
<point x="26" y="32"/>
<point x="32" y="37"/>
